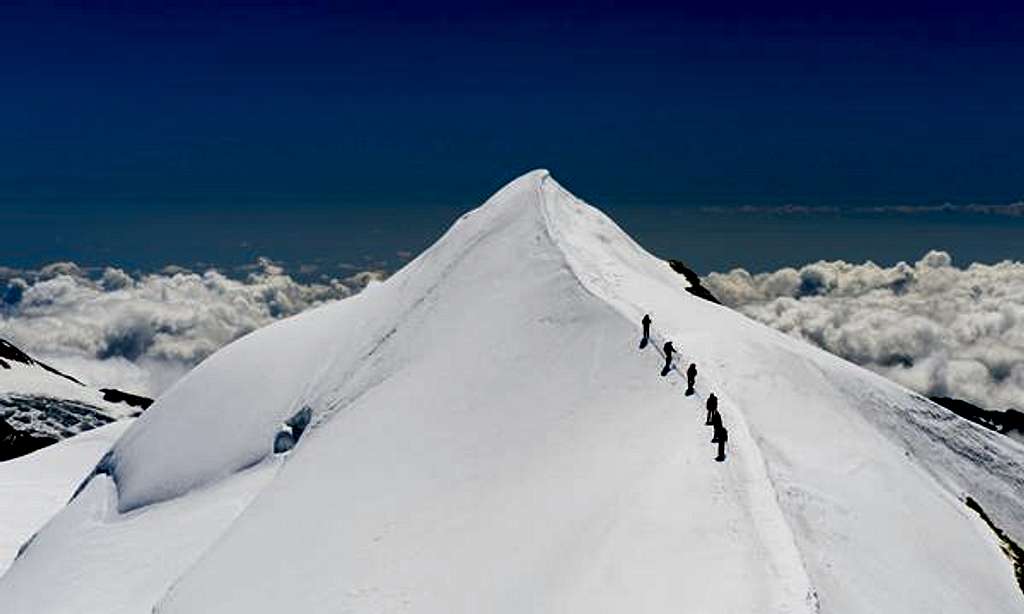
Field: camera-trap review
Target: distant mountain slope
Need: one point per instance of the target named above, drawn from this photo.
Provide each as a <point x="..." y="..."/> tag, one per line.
<point x="485" y="435"/>
<point x="10" y="355"/>
<point x="40" y="405"/>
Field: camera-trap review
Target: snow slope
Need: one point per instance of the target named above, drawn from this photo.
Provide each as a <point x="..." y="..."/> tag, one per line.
<point x="35" y="487"/>
<point x="488" y="438"/>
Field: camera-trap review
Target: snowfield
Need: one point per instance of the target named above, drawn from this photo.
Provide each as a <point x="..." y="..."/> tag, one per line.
<point x="35" y="487"/>
<point x="487" y="437"/>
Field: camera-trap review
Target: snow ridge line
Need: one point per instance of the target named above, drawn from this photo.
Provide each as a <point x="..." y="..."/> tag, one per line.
<point x="803" y="596"/>
<point x="758" y="468"/>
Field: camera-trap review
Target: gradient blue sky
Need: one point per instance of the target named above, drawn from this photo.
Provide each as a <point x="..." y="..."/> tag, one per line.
<point x="142" y="135"/>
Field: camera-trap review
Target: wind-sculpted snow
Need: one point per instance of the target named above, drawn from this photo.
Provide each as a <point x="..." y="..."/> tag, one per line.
<point x="100" y="561"/>
<point x="33" y="488"/>
<point x="931" y="326"/>
<point x="487" y="437"/>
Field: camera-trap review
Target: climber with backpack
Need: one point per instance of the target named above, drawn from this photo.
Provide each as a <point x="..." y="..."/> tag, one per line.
<point x="669" y="351"/>
<point x="712" y="406"/>
<point x="721" y="436"/>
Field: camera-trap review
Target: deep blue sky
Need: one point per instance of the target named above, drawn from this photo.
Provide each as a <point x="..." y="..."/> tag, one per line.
<point x="141" y="135"/>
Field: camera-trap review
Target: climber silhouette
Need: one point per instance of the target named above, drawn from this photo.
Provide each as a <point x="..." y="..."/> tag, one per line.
<point x="716" y="425"/>
<point x="712" y="406"/>
<point x="669" y="351"/>
<point x="721" y="436"/>
<point x="647" y="330"/>
<point x="691" y="376"/>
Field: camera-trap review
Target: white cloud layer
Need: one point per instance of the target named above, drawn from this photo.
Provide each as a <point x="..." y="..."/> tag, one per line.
<point x="931" y="326"/>
<point x="142" y="332"/>
<point x="934" y="327"/>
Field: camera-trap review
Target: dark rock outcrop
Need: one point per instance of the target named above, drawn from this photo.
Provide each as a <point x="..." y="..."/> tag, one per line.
<point x="695" y="288"/>
<point x="1000" y="421"/>
<point x="50" y="417"/>
<point x="113" y="395"/>
<point x="1010" y="548"/>
<point x="15" y="443"/>
<point x="32" y="420"/>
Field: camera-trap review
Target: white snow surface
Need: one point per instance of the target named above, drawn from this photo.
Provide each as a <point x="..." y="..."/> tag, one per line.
<point x="36" y="486"/>
<point x="487" y="437"/>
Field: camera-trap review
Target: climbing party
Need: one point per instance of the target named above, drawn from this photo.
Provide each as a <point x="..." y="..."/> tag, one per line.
<point x="720" y="435"/>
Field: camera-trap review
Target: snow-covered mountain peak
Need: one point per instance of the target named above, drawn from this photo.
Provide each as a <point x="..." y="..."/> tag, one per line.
<point x="492" y="250"/>
<point x="485" y="435"/>
<point x="526" y="184"/>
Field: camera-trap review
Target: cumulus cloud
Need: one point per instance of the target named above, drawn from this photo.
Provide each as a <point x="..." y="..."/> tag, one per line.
<point x="935" y="328"/>
<point x="57" y="269"/>
<point x="143" y="331"/>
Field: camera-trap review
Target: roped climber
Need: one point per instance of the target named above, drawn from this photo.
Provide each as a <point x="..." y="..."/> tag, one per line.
<point x="721" y="436"/>
<point x="669" y="351"/>
<point x="646" y="323"/>
<point x="712" y="406"/>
